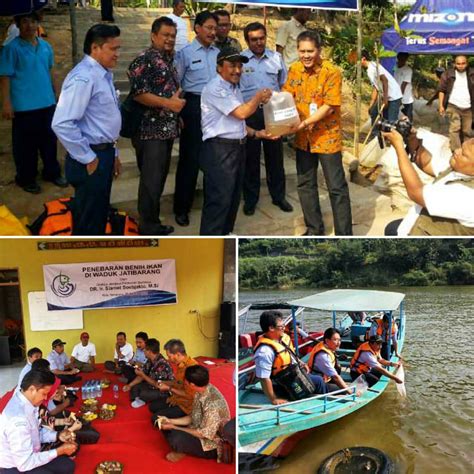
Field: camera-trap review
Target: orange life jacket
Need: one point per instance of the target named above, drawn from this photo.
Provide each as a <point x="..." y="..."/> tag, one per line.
<point x="282" y="354"/>
<point x="319" y="348"/>
<point x="358" y="366"/>
<point x="381" y="329"/>
<point x="58" y="218"/>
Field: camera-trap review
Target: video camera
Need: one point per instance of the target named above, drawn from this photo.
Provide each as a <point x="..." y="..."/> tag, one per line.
<point x="403" y="127"/>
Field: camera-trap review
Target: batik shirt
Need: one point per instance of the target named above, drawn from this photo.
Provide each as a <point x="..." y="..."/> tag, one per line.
<point x="153" y="72"/>
<point x="159" y="369"/>
<point x="210" y="413"/>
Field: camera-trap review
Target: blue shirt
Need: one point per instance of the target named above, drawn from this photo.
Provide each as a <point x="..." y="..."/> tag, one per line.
<point x="322" y="364"/>
<point x="219" y="98"/>
<point x="268" y="71"/>
<point x="21" y="436"/>
<point x="88" y="110"/>
<point x="29" y="69"/>
<point x="196" y="66"/>
<point x="57" y="361"/>
<point x="139" y="356"/>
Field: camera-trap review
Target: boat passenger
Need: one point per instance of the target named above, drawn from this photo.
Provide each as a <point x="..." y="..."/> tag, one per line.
<point x="274" y="353"/>
<point x="380" y="328"/>
<point x="358" y="317"/>
<point x="368" y="361"/>
<point x="323" y="360"/>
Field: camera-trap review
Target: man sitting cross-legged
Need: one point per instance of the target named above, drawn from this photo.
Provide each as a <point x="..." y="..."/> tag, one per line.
<point x="181" y="400"/>
<point x="145" y="387"/>
<point x="197" y="433"/>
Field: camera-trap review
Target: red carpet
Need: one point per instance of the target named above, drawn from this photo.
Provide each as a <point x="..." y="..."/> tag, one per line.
<point x="130" y="438"/>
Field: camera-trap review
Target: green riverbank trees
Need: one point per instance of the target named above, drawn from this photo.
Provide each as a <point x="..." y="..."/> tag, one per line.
<point x="346" y="263"/>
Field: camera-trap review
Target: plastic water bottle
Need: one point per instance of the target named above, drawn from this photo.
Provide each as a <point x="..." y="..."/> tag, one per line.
<point x="116" y="391"/>
<point x="99" y="389"/>
<point x="83" y="391"/>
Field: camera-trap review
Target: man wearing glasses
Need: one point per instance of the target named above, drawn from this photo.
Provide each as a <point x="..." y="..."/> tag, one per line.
<point x="224" y="24"/>
<point x="274" y="354"/>
<point x="196" y="66"/>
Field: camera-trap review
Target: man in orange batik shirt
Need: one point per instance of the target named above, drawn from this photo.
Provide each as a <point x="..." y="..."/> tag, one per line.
<point x="316" y="85"/>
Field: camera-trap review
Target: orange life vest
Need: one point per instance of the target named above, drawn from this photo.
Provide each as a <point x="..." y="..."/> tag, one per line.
<point x="358" y="366"/>
<point x="282" y="354"/>
<point x="58" y="218"/>
<point x="319" y="348"/>
<point x="381" y="329"/>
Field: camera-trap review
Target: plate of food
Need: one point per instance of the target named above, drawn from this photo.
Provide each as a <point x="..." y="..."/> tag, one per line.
<point x="106" y="467"/>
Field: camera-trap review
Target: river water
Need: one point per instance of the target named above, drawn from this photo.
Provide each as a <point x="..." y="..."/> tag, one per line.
<point x="432" y="430"/>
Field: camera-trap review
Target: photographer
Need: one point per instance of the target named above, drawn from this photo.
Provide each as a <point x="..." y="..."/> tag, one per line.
<point x="443" y="207"/>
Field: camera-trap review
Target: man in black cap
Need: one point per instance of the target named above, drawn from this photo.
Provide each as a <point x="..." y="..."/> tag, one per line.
<point x="60" y="365"/>
<point x="223" y="114"/>
<point x="368" y="361"/>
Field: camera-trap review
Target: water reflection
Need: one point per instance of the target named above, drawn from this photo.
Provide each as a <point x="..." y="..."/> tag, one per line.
<point x="430" y="431"/>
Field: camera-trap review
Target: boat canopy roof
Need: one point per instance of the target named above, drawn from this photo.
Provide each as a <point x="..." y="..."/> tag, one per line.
<point x="351" y="300"/>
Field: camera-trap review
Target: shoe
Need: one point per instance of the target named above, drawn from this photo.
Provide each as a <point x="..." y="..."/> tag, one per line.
<point x="155" y="229"/>
<point x="182" y="220"/>
<point x="138" y="402"/>
<point x="165" y="230"/>
<point x="60" y="182"/>
<point x="284" y="205"/>
<point x="249" y="210"/>
<point x="32" y="188"/>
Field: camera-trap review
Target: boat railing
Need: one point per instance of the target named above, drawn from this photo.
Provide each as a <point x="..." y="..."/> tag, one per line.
<point x="288" y="410"/>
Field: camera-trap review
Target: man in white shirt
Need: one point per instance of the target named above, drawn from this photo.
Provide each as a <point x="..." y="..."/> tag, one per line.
<point x="21" y="434"/>
<point x="384" y="84"/>
<point x="122" y="355"/>
<point x="182" y="25"/>
<point x="83" y="354"/>
<point x="288" y="32"/>
<point x="33" y="354"/>
<point x="403" y="75"/>
<point x="456" y="100"/>
<point x="445" y="206"/>
<point x="60" y="364"/>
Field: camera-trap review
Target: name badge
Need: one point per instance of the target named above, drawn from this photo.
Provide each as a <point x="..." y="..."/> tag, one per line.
<point x="313" y="108"/>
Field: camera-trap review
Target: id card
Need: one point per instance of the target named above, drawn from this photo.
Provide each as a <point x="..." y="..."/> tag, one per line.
<point x="313" y="108"/>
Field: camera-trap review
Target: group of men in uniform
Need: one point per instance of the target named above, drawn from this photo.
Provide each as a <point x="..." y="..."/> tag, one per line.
<point x="215" y="92"/>
<point x="275" y="356"/>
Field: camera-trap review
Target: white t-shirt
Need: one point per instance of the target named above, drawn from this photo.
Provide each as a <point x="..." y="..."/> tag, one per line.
<point x="453" y="201"/>
<point x="286" y="38"/>
<point x="394" y="91"/>
<point x="182" y="31"/>
<point x="126" y="351"/>
<point x="405" y="74"/>
<point x="84" y="353"/>
<point x="460" y="94"/>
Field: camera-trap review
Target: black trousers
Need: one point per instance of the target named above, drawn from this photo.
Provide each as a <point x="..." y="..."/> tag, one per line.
<point x="146" y="392"/>
<point x="128" y="372"/>
<point x="92" y="193"/>
<point x="181" y="442"/>
<point x="273" y="155"/>
<point x="32" y="134"/>
<point x="223" y="163"/>
<point x="69" y="379"/>
<point x="106" y="10"/>
<point x="59" y="465"/>
<point x="161" y="408"/>
<point x="306" y="168"/>
<point x="154" y="157"/>
<point x="372" y="376"/>
<point x="190" y="145"/>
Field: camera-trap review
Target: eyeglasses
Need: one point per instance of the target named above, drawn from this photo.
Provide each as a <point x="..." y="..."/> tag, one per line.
<point x="209" y="28"/>
<point x="223" y="26"/>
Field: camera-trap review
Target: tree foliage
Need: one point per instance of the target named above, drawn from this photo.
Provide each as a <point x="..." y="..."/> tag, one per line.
<point x="346" y="263"/>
